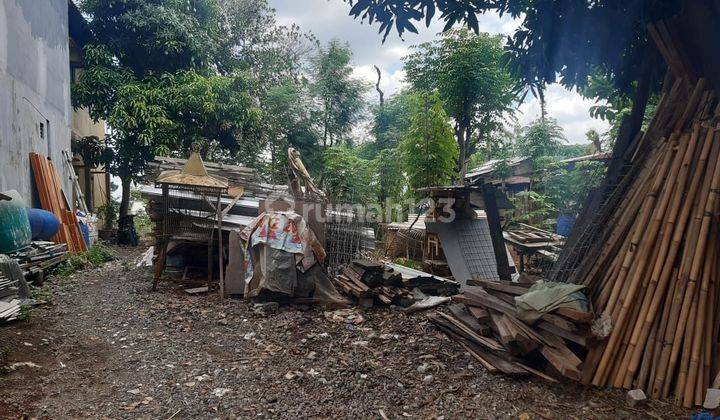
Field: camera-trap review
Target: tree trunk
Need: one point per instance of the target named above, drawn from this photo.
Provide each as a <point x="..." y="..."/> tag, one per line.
<point x="126" y="227"/>
<point x="460" y="133"/>
<point x="632" y="123"/>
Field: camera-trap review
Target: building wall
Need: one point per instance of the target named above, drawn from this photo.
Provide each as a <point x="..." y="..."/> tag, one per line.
<point x="35" y="110"/>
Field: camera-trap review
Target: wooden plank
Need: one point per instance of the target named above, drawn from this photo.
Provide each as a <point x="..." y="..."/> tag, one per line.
<point x="489" y="343"/>
<point x="570" y="336"/>
<point x="479" y="313"/>
<point x="514" y="289"/>
<point x="575" y="315"/>
<point x="459" y="311"/>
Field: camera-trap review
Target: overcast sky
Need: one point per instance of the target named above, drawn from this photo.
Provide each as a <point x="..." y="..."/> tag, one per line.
<point x="329" y="19"/>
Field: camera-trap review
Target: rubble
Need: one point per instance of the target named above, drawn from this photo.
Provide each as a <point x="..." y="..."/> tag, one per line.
<point x="371" y="282"/>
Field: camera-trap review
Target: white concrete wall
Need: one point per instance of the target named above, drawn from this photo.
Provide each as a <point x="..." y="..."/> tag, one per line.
<point x="34" y="90"/>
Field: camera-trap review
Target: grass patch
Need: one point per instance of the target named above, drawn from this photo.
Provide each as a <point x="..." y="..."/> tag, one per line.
<point x="26" y="313"/>
<point x="41" y="294"/>
<point x="96" y="256"/>
<point x="415" y="265"/>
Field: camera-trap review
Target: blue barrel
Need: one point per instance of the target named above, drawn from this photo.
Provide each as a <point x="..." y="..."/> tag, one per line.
<point x="43" y="224"/>
<point x="564" y="224"/>
<point x="85" y="230"/>
<point x="14" y="226"/>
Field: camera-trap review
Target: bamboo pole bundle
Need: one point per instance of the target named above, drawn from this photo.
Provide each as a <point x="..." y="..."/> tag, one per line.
<point x="654" y="272"/>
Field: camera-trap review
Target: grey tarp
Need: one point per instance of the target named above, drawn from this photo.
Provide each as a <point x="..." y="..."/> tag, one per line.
<point x="276" y="272"/>
<point x="545" y="296"/>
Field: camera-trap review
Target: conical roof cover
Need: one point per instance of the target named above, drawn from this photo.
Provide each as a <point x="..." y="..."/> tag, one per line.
<point x="193" y="173"/>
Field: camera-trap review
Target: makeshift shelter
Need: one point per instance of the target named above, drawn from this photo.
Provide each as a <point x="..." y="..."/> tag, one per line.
<point x="183" y="224"/>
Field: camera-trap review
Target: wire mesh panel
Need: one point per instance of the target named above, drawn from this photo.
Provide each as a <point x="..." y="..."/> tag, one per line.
<point x="189" y="212"/>
<point x="343" y="237"/>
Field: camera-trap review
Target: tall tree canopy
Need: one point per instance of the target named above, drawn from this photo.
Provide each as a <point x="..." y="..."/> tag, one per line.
<point x="340" y="95"/>
<point x="158" y="73"/>
<point x="468" y="72"/>
<point x="541" y="138"/>
<point x="429" y="149"/>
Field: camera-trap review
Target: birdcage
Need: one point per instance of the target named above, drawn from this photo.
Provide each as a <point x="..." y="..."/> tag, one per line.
<point x="191" y="209"/>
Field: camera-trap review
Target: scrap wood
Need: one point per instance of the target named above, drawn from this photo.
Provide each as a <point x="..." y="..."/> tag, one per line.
<point x="541" y="348"/>
<point x="511" y="288"/>
<point x="367" y="280"/>
<point x="53" y="199"/>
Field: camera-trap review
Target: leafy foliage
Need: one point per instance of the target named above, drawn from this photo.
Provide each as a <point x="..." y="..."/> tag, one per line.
<point x="428" y="148"/>
<point x="340" y="95"/>
<point x="391" y="121"/>
<point x="391" y="179"/>
<point x="469" y="74"/>
<point x="95" y="256"/>
<point x="567" y="188"/>
<point x="157" y="36"/>
<point x="288" y="121"/>
<point x="557" y="40"/>
<point x="348" y="178"/>
<point x="543" y="137"/>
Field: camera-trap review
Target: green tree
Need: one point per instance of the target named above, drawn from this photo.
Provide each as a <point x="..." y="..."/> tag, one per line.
<point x="391" y="179"/>
<point x="468" y="73"/>
<point x="348" y="178"/>
<point x="429" y="150"/>
<point x="540" y="139"/>
<point x="152" y="74"/>
<point x="339" y="94"/>
<point x="288" y="122"/>
<point x="392" y="120"/>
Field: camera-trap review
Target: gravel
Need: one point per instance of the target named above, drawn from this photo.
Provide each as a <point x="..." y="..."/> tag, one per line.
<point x="109" y="347"/>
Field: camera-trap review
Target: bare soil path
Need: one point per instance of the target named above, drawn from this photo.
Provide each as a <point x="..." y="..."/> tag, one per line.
<point x="107" y="347"/>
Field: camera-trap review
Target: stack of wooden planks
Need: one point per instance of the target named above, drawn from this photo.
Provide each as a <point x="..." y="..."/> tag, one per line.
<point x="39" y="256"/>
<point x="369" y="282"/>
<point x="53" y="199"/>
<point x="484" y="321"/>
<point x="9" y="311"/>
<point x="237" y="176"/>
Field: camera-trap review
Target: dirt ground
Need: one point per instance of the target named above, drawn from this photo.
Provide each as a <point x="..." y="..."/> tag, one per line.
<point x="108" y="347"/>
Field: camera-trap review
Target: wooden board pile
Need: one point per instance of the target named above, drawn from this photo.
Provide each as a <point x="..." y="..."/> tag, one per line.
<point x="652" y="268"/>
<point x="526" y="234"/>
<point x="369" y="282"/>
<point x="53" y="199"/>
<point x="237" y="176"/>
<point x="9" y="311"/>
<point x="39" y="256"/>
<point x="484" y="321"/>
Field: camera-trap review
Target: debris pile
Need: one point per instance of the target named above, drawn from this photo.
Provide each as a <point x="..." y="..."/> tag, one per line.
<point x="9" y="311"/>
<point x="371" y="282"/>
<point x="487" y="323"/>
<point x="39" y="256"/>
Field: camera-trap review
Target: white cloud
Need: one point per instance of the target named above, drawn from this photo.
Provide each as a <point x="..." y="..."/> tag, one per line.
<point x="569" y="108"/>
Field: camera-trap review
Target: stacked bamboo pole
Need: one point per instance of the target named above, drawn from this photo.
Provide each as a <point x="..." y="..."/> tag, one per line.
<point x="654" y="274"/>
